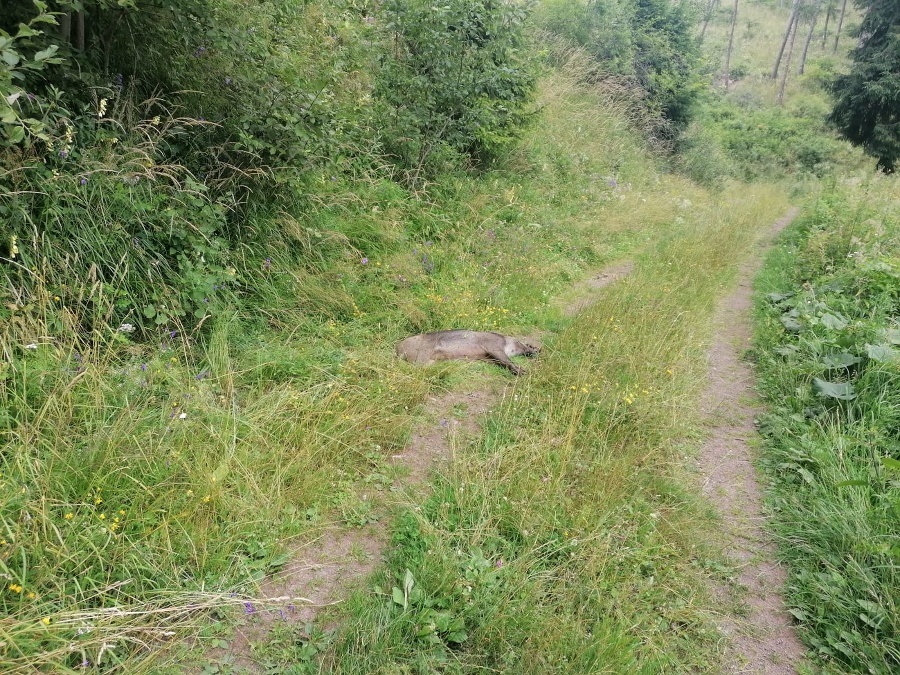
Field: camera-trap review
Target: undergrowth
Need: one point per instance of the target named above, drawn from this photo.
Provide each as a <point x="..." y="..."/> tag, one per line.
<point x="827" y="352"/>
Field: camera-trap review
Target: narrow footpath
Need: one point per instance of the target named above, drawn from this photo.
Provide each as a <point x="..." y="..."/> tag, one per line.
<point x="762" y="640"/>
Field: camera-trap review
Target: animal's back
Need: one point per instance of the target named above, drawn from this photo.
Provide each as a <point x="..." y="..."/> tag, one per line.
<point x="463" y="344"/>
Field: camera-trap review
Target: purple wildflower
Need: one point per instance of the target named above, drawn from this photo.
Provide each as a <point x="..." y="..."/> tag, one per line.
<point x="267" y="264"/>
<point x="249" y="608"/>
<point x="144" y="367"/>
<point x="199" y="51"/>
<point x="83" y="181"/>
<point x="364" y="261"/>
<point x="228" y="80"/>
<point x="173" y="333"/>
<point x="63" y="153"/>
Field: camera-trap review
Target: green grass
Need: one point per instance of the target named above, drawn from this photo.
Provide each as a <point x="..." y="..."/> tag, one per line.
<point x="567" y="539"/>
<point x="142" y="475"/>
<point x="827" y="353"/>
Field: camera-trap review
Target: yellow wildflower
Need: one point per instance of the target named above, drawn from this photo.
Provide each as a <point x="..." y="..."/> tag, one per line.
<point x="69" y="516"/>
<point x="46" y="621"/>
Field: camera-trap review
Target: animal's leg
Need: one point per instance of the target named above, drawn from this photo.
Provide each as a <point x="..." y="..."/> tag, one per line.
<point x="500" y="357"/>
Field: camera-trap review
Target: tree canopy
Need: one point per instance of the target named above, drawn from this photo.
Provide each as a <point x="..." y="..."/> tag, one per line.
<point x="867" y="106"/>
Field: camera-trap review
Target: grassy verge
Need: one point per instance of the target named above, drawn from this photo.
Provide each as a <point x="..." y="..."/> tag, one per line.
<point x="566" y="538"/>
<point x="827" y="348"/>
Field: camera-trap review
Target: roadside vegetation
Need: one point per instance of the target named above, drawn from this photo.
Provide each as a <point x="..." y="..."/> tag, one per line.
<point x="216" y="220"/>
<point x="827" y="352"/>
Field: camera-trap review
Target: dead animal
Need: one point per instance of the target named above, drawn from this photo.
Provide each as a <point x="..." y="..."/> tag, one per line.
<point x="464" y="344"/>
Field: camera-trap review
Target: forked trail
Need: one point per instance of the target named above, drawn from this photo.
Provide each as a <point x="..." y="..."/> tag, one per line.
<point x="764" y="640"/>
<point x="323" y="570"/>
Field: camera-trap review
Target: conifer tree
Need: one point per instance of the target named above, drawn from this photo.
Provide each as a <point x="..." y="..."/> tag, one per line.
<point x="867" y="99"/>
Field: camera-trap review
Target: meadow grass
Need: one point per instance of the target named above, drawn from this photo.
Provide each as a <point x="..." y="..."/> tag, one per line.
<point x="569" y="537"/>
<point x="144" y="479"/>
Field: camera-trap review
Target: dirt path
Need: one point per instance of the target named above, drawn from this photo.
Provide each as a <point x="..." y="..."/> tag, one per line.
<point x="764" y="640"/>
<point x="324" y="570"/>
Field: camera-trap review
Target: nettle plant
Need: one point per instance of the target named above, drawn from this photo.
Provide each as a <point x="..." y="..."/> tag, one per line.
<point x="454" y="80"/>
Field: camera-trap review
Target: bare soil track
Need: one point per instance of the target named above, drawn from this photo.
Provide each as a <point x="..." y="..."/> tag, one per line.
<point x="324" y="570"/>
<point x="764" y="640"/>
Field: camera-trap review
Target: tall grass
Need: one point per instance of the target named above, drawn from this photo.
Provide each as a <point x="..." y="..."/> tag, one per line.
<point x="142" y="475"/>
<point x="566" y="539"/>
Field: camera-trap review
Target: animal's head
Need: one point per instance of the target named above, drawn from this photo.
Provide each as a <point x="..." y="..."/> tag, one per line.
<point x="529" y="350"/>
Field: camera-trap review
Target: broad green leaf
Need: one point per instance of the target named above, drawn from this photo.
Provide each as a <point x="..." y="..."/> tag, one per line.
<point x="892" y="335"/>
<point x="890" y="463"/>
<point x="841" y="360"/>
<point x="791" y="324"/>
<point x="843" y="391"/>
<point x="833" y="322"/>
<point x="16" y="135"/>
<point x="10" y="57"/>
<point x="398" y="597"/>
<point x="45" y="54"/>
<point x="221" y="471"/>
<point x="149" y="311"/>
<point x="779" y="297"/>
<point x="881" y="353"/>
<point x="26" y="31"/>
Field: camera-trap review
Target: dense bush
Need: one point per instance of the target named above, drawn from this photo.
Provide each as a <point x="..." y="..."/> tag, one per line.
<point x="767" y="142"/>
<point x="651" y="41"/>
<point x="455" y="78"/>
<point x="141" y="141"/>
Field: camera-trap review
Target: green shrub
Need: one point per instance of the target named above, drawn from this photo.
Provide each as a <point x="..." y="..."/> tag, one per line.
<point x="651" y="41"/>
<point x="454" y="80"/>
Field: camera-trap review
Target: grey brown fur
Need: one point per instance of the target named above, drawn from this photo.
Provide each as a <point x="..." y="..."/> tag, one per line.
<point x="464" y="344"/>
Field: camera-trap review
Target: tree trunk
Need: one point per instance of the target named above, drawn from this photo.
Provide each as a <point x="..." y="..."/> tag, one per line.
<point x="809" y="36"/>
<point x="65" y="26"/>
<point x="837" y="32"/>
<point x="730" y="45"/>
<point x="792" y="33"/>
<point x="795" y="10"/>
<point x="79" y="31"/>
<point x="827" y="17"/>
<point x="709" y="11"/>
